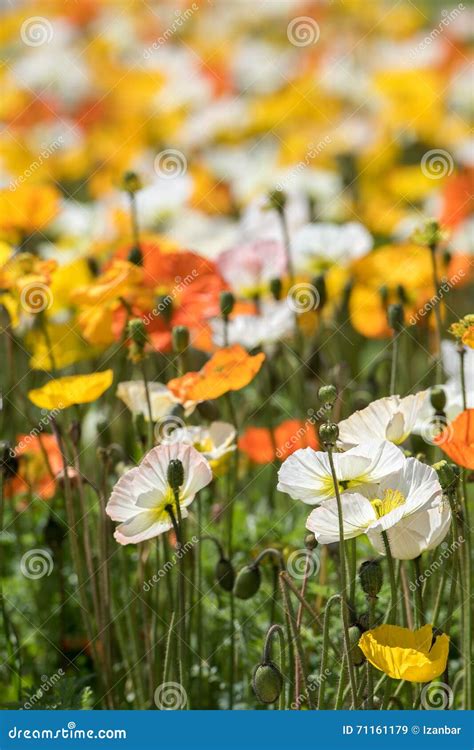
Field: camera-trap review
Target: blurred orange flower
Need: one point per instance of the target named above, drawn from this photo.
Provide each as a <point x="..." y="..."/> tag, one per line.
<point x="258" y="445"/>
<point x="39" y="461"/>
<point x="228" y="369"/>
<point x="457" y="439"/>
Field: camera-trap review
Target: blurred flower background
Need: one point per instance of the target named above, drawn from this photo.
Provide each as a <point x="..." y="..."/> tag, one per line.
<point x="208" y="211"/>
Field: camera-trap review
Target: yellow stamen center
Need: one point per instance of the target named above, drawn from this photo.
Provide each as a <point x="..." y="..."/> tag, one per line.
<point x="392" y="499"/>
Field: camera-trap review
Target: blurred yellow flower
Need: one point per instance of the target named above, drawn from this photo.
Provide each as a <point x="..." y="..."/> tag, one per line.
<point x="412" y="655"/>
<point x="72" y="389"/>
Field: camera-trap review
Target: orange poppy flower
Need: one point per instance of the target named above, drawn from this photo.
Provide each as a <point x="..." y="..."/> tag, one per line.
<point x="257" y="443"/>
<point x="228" y="369"/>
<point x="39" y="461"/>
<point x="457" y="439"/>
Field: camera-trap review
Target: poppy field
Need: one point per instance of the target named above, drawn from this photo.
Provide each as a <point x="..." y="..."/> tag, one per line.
<point x="237" y="355"/>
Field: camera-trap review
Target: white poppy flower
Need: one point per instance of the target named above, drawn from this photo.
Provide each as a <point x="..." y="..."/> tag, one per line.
<point x="140" y="498"/>
<point x="330" y="243"/>
<point x="133" y="394"/>
<point x="275" y="323"/>
<point x="214" y="442"/>
<point x="306" y="474"/>
<point x="391" y="418"/>
<point x="407" y="504"/>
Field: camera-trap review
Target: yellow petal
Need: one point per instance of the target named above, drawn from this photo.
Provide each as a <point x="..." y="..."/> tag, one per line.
<point x="72" y="389"/>
<point x="406" y="654"/>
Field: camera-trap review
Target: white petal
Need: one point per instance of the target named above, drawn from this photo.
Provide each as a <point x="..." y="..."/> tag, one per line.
<point x="121" y="505"/>
<point x="357" y="514"/>
<point x="304" y="476"/>
<point x="415" y="534"/>
<point x="144" y="526"/>
<point x="391" y="418"/>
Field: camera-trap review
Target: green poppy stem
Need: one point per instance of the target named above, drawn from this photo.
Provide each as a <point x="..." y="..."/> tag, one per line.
<point x="342" y="572"/>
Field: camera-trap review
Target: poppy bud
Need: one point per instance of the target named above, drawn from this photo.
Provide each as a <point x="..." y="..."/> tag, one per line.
<point x="383" y="291"/>
<point x="395" y="316"/>
<point x="137" y="331"/>
<point x="277" y="200"/>
<point x="356" y="654"/>
<point x="327" y="394"/>
<point x="267" y="682"/>
<point x="447" y="256"/>
<point x="430" y="235"/>
<point x="248" y="582"/>
<point x="131" y="182"/>
<point x="310" y="541"/>
<point x="135" y="256"/>
<point x="175" y="474"/>
<point x="329" y="433"/>
<point x="448" y="474"/>
<point x="225" y="575"/>
<point x="276" y="287"/>
<point x="438" y="399"/>
<point x="227" y="302"/>
<point x="209" y="410"/>
<point x="402" y="295"/>
<point x="371" y="577"/>
<point x="319" y="283"/>
<point x="165" y="307"/>
<point x="180" y="338"/>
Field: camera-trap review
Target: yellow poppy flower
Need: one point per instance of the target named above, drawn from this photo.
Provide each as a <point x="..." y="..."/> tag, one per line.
<point x="72" y="389"/>
<point x="412" y="655"/>
<point x="64" y="344"/>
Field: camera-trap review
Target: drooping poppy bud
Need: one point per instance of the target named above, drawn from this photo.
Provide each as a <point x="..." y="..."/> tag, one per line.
<point x="267" y="682"/>
<point x="227" y="302"/>
<point x="371" y="577"/>
<point x="225" y="575"/>
<point x="248" y="582"/>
